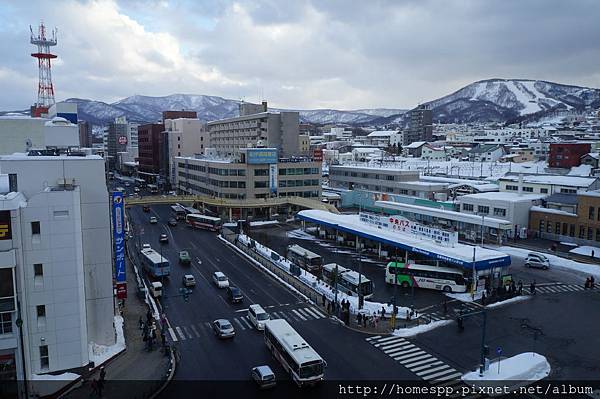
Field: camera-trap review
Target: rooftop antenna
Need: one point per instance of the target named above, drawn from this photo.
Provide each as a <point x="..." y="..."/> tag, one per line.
<point x="43" y="55"/>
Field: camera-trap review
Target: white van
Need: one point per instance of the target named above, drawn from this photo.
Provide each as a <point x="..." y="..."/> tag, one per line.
<point x="258" y="316"/>
<point x="156" y="289"/>
<point x="220" y="280"/>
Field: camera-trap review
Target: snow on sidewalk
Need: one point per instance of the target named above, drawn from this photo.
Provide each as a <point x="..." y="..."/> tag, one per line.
<point x="101" y="353"/>
<point x="555" y="261"/>
<point x="412" y="331"/>
<point x="507" y="301"/>
<point x="519" y="370"/>
<point x="586" y="250"/>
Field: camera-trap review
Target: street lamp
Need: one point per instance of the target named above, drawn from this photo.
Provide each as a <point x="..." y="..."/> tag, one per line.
<point x="360" y="295"/>
<point x="482" y="221"/>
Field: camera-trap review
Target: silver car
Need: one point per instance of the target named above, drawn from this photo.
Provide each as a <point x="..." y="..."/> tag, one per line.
<point x="264" y="377"/>
<point x="223" y="328"/>
<point x="538" y="261"/>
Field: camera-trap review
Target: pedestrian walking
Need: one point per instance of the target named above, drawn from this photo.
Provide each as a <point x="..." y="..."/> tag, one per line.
<point x="593" y="253"/>
<point x="587" y="284"/>
<point x="483" y="298"/>
<point x="513" y="287"/>
<point x="148" y="316"/>
<point x="382" y="313"/>
<point x="94" y="387"/>
<point x="102" y="374"/>
<point x="445" y="307"/>
<point x="592" y="282"/>
<point x="365" y="321"/>
<point x="359" y="319"/>
<point x="328" y="307"/>
<point x="323" y="299"/>
<point x="141" y="323"/>
<point x="520" y="289"/>
<point x="163" y="338"/>
<point x="532" y="288"/>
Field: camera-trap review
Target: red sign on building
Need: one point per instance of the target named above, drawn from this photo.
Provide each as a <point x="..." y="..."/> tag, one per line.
<point x="121" y="290"/>
<point x="318" y="154"/>
<point x="122" y="140"/>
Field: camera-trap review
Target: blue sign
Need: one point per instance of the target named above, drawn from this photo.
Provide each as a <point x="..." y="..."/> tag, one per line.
<point x="256" y="156"/>
<point x="119" y="236"/>
<point x="498" y="351"/>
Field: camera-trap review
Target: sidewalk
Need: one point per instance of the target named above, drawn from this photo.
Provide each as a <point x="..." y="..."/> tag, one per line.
<point x="135" y="373"/>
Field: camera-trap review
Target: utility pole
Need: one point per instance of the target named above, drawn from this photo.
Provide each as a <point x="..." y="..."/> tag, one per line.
<point x="482" y="221"/>
<point x="360" y="297"/>
<point x="474" y="275"/>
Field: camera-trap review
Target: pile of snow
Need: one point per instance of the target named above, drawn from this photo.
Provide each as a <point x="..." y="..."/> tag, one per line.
<point x="508" y="301"/>
<point x="586" y="250"/>
<point x="581" y="170"/>
<point x="101" y="353"/>
<point x="412" y="331"/>
<point x="521" y="370"/>
<point x="317" y="285"/>
<point x="263" y="223"/>
<point x="555" y="261"/>
<point x="465" y="296"/>
<point x="59" y="377"/>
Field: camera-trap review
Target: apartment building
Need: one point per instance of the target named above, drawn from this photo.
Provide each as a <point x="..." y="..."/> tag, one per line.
<point x="182" y="137"/>
<point x="256" y="173"/>
<point x="420" y="127"/>
<point x="548" y="184"/>
<point x="150" y="141"/>
<point x="567" y="155"/>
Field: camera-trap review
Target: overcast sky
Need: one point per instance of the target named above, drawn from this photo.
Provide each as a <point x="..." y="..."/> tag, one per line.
<point x="297" y="54"/>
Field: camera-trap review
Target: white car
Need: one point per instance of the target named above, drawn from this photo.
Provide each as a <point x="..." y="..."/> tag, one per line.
<point x="189" y="280"/>
<point x="153" y="220"/>
<point x="258" y="316"/>
<point x="220" y="280"/>
<point x="537" y="260"/>
<point x="145" y="246"/>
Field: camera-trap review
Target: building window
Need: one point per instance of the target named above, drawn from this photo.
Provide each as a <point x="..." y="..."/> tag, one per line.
<point x="541" y="228"/>
<point x="6" y="321"/>
<point x="483" y="209"/>
<point x="260" y="184"/>
<point x="41" y="310"/>
<point x="590" y="234"/>
<point x="591" y="213"/>
<point x="499" y="212"/>
<point x="44" y="358"/>
<point x="38" y="270"/>
<point x="598" y="234"/>
<point x="512" y="188"/>
<point x="7" y="290"/>
<point x="543" y="190"/>
<point x="528" y="189"/>
<point x="581" y="232"/>
<point x="261" y="172"/>
<point x="571" y="230"/>
<point x="565" y="228"/>
<point x="466" y="207"/>
<point x="389" y="177"/>
<point x="557" y="228"/>
<point x="549" y="227"/>
<point x="35" y="227"/>
<point x="568" y="191"/>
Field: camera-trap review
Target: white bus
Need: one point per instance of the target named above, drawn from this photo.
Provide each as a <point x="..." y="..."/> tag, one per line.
<point x="178" y="211"/>
<point x="306" y="259"/>
<point x="347" y="280"/>
<point x="424" y="276"/>
<point x="303" y="363"/>
<point x="153" y="188"/>
<point x="203" y="222"/>
<point x="155" y="264"/>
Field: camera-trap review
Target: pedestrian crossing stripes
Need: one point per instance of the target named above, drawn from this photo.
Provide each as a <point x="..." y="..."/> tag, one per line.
<point x="554" y="289"/>
<point x="242" y="323"/>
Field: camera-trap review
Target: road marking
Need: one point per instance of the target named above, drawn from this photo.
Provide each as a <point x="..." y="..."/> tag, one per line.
<point x="181" y="334"/>
<point x="404" y="359"/>
<point x="442" y="373"/>
<point x="387" y="348"/>
<point x="241" y="310"/>
<point x="314" y="312"/>
<point x="208" y="325"/>
<point x="195" y="331"/>
<point x="373" y="338"/>
<point x="240" y="324"/>
<point x="190" y="336"/>
<point x="298" y="314"/>
<point x="449" y="377"/>
<point x="246" y="322"/>
<point x="577" y="288"/>
<point x="429" y="361"/>
<point x="425" y="366"/>
<point x="305" y="313"/>
<point x="396" y="351"/>
<point x="172" y="334"/>
<point x="379" y="341"/>
<point x="428" y="374"/>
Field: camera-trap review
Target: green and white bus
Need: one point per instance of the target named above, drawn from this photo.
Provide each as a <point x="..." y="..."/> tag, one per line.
<point x="423" y="276"/>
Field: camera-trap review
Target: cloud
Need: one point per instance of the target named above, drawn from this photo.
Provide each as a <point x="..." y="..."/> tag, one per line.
<point x="298" y="53"/>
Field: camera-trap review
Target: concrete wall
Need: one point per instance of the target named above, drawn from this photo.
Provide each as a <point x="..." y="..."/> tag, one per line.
<point x="290" y="142"/>
<point x="14" y="131"/>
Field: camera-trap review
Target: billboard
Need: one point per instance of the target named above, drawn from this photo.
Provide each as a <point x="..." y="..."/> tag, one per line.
<point x="119" y="236"/>
<point x="5" y="231"/>
<point x="273" y="178"/>
<point x="318" y="154"/>
<point x="258" y="156"/>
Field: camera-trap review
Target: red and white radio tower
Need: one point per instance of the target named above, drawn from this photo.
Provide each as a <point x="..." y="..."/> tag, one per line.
<point x="45" y="87"/>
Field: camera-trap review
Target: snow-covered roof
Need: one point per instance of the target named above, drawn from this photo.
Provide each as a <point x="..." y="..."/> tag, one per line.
<point x="595" y="155"/>
<point x="552" y="211"/>
<point x="382" y="133"/>
<point x="595" y="193"/>
<point x="561" y="180"/>
<point x="415" y="145"/>
<point x="503" y="196"/>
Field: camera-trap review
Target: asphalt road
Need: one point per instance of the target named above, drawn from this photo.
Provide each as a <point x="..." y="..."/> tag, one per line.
<point x="203" y="356"/>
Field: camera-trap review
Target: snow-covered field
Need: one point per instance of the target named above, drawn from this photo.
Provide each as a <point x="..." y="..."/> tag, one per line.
<point x="555" y="261"/>
<point x="515" y="371"/>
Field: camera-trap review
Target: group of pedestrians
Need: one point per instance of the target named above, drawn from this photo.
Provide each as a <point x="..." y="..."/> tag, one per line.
<point x="590" y="282"/>
<point x="149" y="331"/>
<point x="98" y="383"/>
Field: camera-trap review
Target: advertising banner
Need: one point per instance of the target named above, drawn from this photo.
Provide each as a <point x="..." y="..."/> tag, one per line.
<point x="273" y="178"/>
<point x="5" y="232"/>
<point x="257" y="156"/>
<point x="119" y="236"/>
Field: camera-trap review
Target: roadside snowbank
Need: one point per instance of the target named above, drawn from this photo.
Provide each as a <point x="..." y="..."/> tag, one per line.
<point x="508" y="301"/>
<point x="412" y="331"/>
<point x="555" y="261"/>
<point x="101" y="353"/>
<point x="520" y="370"/>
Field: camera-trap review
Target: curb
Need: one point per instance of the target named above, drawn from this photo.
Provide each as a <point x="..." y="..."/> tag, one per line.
<point x="170" y="376"/>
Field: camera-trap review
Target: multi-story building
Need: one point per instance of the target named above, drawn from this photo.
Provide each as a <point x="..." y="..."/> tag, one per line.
<point x="548" y="184"/>
<point x="179" y="114"/>
<point x="568" y="217"/>
<point x="383" y="180"/>
<point x="115" y="141"/>
<point x="85" y="134"/>
<point x="150" y="141"/>
<point x="257" y="173"/>
<point x="486" y="153"/>
<point x="420" y="127"/>
<point x="265" y="129"/>
<point x="55" y="263"/>
<point x="567" y="155"/>
<point x="183" y="137"/>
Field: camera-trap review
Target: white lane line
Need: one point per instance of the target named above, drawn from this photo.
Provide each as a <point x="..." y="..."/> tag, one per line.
<point x="425" y="374"/>
<point x="173" y="336"/>
<point x="312" y="313"/>
<point x="373" y="338"/>
<point x="404" y="359"/>
<point x="423" y="367"/>
<point x="379" y="341"/>
<point x="181" y="334"/>
<point x="305" y="312"/>
<point x="417" y="362"/>
<point x="208" y="325"/>
<point x="189" y="334"/>
<point x="396" y="351"/>
<point x="195" y="331"/>
<point x="394" y="345"/>
<point x="577" y="288"/>
<point x="408" y="351"/>
<point x="241" y="310"/>
<point x="240" y="324"/>
<point x="318" y="311"/>
<point x="442" y="373"/>
<point x="298" y="314"/>
<point x="246" y="322"/>
<point x="449" y="377"/>
<point x="284" y="316"/>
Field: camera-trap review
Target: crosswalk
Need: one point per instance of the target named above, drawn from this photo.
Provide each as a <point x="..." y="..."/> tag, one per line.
<point x="423" y="364"/>
<point x="554" y="289"/>
<point x="242" y="322"/>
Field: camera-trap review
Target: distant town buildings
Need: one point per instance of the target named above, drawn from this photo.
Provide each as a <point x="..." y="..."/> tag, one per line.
<point x="420" y="127"/>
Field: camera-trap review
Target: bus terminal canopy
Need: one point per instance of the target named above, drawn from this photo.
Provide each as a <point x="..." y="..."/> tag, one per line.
<point x="458" y="254"/>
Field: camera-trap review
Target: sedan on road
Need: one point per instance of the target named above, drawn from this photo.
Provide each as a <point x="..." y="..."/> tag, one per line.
<point x="223" y="328"/>
<point x="164" y="238"/>
<point x="184" y="258"/>
<point x="172" y="222"/>
<point x="264" y="376"/>
<point x="153" y="220"/>
<point x="189" y="280"/>
<point x="234" y="294"/>
<point x="537" y="261"/>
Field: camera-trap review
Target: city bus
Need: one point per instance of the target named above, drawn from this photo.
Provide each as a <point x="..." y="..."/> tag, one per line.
<point x="155" y="264"/>
<point x="153" y="188"/>
<point x="423" y="276"/>
<point x="178" y="211"/>
<point x="347" y="280"/>
<point x="203" y="222"/>
<point x="299" y="359"/>
<point x="304" y="258"/>
<point x="191" y="210"/>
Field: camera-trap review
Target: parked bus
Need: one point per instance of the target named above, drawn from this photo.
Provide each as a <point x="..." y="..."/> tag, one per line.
<point x="347" y="280"/>
<point x="424" y="276"/>
<point x="155" y="264"/>
<point x="306" y="259"/>
<point x="191" y="210"/>
<point x="153" y="188"/>
<point x="178" y="211"/>
<point x="203" y="222"/>
<point x="303" y="363"/>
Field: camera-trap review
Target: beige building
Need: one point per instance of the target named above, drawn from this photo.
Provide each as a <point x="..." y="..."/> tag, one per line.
<point x="184" y="137"/>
